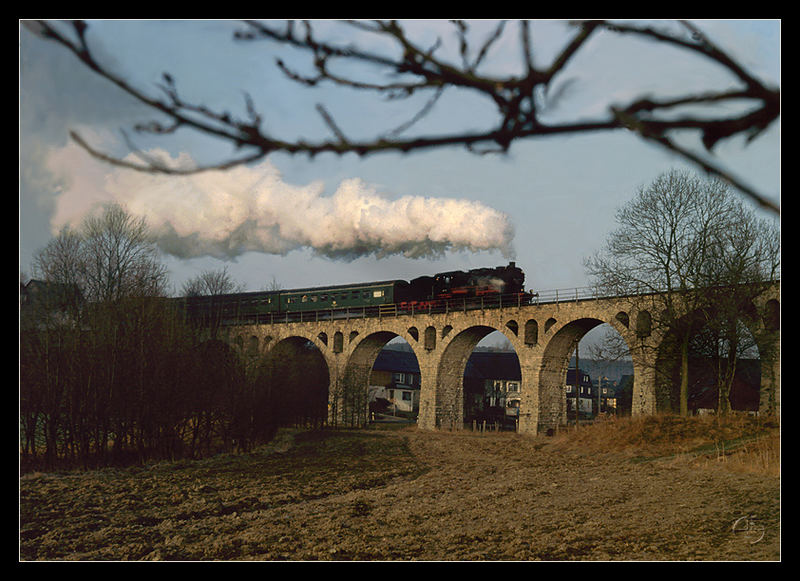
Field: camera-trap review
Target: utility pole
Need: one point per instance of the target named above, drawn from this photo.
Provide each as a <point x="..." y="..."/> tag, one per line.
<point x="577" y="383"/>
<point x="599" y="390"/>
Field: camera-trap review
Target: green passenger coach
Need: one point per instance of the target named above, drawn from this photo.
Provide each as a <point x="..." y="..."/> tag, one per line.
<point x="338" y="297"/>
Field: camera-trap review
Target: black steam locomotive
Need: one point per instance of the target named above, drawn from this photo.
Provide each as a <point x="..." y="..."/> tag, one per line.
<point x="480" y="287"/>
<point x="459" y="286"/>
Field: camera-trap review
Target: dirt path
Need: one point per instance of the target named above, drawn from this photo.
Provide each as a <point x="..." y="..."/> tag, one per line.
<point x="402" y="495"/>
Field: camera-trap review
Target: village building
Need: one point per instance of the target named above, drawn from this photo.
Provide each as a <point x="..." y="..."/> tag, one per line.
<point x="492" y="381"/>
<point x="585" y="394"/>
<point x="394" y="383"/>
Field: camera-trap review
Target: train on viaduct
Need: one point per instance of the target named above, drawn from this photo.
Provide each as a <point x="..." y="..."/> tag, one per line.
<point x="443" y="318"/>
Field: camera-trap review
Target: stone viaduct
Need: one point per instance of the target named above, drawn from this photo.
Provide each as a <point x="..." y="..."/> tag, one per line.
<point x="544" y="336"/>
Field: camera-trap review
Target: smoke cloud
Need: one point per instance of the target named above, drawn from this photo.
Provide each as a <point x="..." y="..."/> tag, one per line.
<point x="224" y="214"/>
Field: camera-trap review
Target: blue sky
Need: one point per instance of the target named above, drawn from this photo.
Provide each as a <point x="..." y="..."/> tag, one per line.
<point x="556" y="195"/>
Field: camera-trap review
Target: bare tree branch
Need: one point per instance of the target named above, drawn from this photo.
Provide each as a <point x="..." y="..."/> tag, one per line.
<point x="415" y="69"/>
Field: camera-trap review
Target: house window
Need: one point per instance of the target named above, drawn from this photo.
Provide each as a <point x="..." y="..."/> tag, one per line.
<point x="400" y="378"/>
<point x="406" y="396"/>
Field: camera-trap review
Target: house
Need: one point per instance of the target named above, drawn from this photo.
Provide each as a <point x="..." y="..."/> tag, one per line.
<point x="608" y="394"/>
<point x="46" y="303"/>
<point x="492" y="382"/>
<point x="395" y="379"/>
<point x="586" y="395"/>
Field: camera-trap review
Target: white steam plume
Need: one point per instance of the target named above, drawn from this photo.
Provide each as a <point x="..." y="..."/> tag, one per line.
<point x="251" y="209"/>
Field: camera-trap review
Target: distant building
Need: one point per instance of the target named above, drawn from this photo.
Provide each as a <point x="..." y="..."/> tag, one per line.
<point x="44" y="304"/>
<point x="492" y="381"/>
<point x="491" y="384"/>
<point x="607" y="389"/>
<point x="395" y="379"/>
<point x="585" y="393"/>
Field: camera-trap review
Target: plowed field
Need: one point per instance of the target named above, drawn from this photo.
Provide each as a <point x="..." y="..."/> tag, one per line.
<point x="404" y="494"/>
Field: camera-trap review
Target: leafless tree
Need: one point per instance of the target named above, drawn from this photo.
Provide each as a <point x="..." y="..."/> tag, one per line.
<point x="59" y="261"/>
<point x="414" y="70"/>
<point x="741" y="258"/>
<point x="273" y="285"/>
<point x="703" y="256"/>
<point x="211" y="282"/>
<point x="120" y="257"/>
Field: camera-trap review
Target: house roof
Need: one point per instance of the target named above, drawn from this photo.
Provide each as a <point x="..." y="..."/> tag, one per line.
<point x="493" y="365"/>
<point x="481" y="364"/>
<point x="396" y="361"/>
<point x="50" y="293"/>
<point x="585" y="378"/>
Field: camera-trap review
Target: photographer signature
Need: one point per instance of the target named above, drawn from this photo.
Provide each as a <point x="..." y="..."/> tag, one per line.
<point x="749" y="527"/>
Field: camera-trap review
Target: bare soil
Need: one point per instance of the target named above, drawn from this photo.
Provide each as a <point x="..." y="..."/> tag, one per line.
<point x="401" y="495"/>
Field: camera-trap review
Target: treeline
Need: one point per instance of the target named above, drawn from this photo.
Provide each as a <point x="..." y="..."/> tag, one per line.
<point x="111" y="372"/>
<point x="130" y="382"/>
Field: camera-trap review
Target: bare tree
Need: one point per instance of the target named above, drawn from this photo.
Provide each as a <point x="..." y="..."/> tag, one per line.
<point x="273" y="285"/>
<point x="59" y="266"/>
<point x="741" y="258"/>
<point x="699" y="254"/>
<point x="211" y="282"/>
<point x="519" y="100"/>
<point x="59" y="261"/>
<point x="121" y="259"/>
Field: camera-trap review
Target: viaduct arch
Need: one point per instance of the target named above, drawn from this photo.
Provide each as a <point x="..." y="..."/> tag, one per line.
<point x="543" y="335"/>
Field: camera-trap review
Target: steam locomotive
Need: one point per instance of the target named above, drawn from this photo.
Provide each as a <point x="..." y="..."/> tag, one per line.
<point x="480" y="287"/>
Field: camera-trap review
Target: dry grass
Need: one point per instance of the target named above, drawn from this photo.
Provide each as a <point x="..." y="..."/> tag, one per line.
<point x="740" y="441"/>
<point x="759" y="456"/>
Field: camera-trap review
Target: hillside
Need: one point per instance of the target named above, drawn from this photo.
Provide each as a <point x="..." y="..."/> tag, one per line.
<point x="613" y="370"/>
